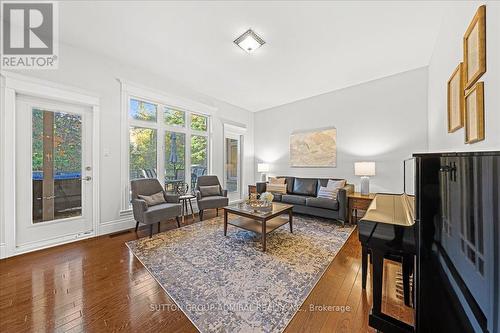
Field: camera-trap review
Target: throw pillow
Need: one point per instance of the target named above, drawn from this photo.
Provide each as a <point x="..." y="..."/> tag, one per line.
<point x="208" y="191"/>
<point x="276" y="188"/>
<point x="331" y="190"/>
<point x="327" y="193"/>
<point x="274" y="180"/>
<point x="336" y="183"/>
<point x="153" y="199"/>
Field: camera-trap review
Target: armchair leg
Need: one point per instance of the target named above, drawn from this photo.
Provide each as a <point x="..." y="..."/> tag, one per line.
<point x="136" y="225"/>
<point x="201" y="215"/>
<point x="216" y="211"/>
<point x="158" y="227"/>
<point x="178" y="221"/>
<point x="150" y="230"/>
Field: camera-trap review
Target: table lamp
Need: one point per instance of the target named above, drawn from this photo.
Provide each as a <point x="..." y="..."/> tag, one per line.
<point x="365" y="170"/>
<point x="263" y="168"/>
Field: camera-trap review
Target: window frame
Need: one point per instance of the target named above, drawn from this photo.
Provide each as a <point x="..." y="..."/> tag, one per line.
<point x="161" y="101"/>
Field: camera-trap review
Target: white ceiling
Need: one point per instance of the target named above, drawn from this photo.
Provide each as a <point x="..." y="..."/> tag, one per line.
<point x="311" y="47"/>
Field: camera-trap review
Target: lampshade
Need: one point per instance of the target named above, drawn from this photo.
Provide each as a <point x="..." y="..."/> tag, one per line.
<point x="262" y="167"/>
<point x="364" y="168"/>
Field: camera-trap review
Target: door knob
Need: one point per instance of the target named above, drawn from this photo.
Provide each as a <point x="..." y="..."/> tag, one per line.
<point x="88" y="178"/>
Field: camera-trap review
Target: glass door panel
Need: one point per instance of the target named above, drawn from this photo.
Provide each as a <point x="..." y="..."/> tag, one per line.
<point x="56" y="165"/>
<point x="232" y="166"/>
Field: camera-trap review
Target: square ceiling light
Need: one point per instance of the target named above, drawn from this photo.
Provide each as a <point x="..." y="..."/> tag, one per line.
<point x="249" y="41"/>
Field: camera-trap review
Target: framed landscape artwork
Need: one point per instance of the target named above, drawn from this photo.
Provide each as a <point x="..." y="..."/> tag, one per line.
<point x="474" y="113"/>
<point x="475" y="48"/>
<point x="456" y="100"/>
<point x="315" y="148"/>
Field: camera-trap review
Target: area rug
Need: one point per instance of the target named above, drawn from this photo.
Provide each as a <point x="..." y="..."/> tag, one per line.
<point x="227" y="284"/>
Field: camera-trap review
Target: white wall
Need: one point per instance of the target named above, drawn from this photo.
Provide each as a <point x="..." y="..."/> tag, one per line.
<point x="447" y="54"/>
<point x="97" y="74"/>
<point x="383" y="120"/>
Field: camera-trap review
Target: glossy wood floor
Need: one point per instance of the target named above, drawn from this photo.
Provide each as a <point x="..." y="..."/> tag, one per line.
<point x="98" y="286"/>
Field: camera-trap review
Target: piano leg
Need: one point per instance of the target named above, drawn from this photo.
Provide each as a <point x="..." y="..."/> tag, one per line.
<point x="364" y="265"/>
<point x="377" y="280"/>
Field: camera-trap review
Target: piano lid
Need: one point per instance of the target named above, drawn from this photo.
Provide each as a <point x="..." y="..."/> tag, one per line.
<point x="395" y="209"/>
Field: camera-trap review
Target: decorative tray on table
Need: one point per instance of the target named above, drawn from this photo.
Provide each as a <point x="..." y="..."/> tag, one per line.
<point x="260" y="206"/>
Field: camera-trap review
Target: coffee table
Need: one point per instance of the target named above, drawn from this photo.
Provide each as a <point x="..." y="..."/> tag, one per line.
<point x="259" y="222"/>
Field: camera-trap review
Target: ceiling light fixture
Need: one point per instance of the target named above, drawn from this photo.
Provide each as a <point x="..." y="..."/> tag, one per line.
<point x="249" y="41"/>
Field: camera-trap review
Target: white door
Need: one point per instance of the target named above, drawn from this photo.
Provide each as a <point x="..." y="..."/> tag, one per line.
<point x="232" y="166"/>
<point x="53" y="172"/>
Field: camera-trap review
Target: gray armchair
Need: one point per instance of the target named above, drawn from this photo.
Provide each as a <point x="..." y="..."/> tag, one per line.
<point x="157" y="213"/>
<point x="210" y="200"/>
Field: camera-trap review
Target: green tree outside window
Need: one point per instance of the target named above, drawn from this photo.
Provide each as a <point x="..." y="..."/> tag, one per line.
<point x="198" y="122"/>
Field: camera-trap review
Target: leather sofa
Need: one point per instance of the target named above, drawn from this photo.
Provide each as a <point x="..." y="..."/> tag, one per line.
<point x="302" y="192"/>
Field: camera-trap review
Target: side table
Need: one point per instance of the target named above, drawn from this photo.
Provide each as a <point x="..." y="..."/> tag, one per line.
<point x="358" y="201"/>
<point x="184" y="200"/>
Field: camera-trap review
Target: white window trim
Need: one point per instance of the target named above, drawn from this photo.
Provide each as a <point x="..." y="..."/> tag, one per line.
<point x="135" y="91"/>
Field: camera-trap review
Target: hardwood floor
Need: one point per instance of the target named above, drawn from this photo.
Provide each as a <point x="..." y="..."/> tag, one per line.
<point x="97" y="285"/>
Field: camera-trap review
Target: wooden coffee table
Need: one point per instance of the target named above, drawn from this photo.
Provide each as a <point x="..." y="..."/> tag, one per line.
<point x="259" y="222"/>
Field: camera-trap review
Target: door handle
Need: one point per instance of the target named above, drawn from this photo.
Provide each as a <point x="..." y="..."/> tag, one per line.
<point x="451" y="170"/>
<point x="454" y="172"/>
<point x="88" y="178"/>
<point x="50" y="197"/>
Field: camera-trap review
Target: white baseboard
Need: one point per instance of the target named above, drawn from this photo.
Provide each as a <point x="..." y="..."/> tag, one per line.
<point x="35" y="246"/>
<point x="3" y="251"/>
<point x="124" y="223"/>
<point x="104" y="228"/>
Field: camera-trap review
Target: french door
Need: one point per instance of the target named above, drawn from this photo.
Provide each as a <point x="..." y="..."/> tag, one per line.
<point x="54" y="171"/>
<point x="232" y="166"/>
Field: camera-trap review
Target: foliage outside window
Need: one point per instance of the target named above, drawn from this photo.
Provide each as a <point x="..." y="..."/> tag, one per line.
<point x="175" y="157"/>
<point x="199" y="154"/>
<point x="198" y="122"/>
<point x="142" y="153"/>
<point x="175" y="117"/>
<point x="67" y="142"/>
<point x="141" y="110"/>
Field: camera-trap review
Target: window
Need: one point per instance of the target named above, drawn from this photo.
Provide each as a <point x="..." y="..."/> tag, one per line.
<point x="165" y="142"/>
<point x="175" y="158"/>
<point x="175" y="117"/>
<point x="199" y="157"/>
<point x="141" y="110"/>
<point x="142" y="153"/>
<point x="198" y="122"/>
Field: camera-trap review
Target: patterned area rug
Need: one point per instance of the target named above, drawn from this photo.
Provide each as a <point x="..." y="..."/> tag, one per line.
<point x="227" y="284"/>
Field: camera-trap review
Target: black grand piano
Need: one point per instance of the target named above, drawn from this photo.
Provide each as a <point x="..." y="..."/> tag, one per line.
<point x="445" y="229"/>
